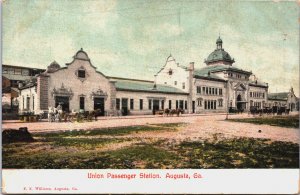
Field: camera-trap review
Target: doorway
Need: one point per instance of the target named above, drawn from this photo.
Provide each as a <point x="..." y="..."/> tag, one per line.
<point x="193" y="106"/>
<point x="99" y="104"/>
<point x="124" y="108"/>
<point x="63" y="101"/>
<point x="155" y="106"/>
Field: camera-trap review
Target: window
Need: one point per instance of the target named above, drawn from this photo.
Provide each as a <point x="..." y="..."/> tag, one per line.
<point x="185" y="104"/>
<point x="203" y="89"/>
<point x="18" y="71"/>
<point x="176" y="104"/>
<point x="170" y="104"/>
<point x="149" y="104"/>
<point x="4" y="70"/>
<point x="118" y="103"/>
<point x="199" y="102"/>
<point x="11" y="71"/>
<point x="27" y="103"/>
<point x="213" y="91"/>
<point x="199" y="89"/>
<point x="209" y="91"/>
<point x="183" y="85"/>
<point x="220" y="92"/>
<point x="141" y="104"/>
<point x="23" y="101"/>
<point x="205" y="104"/>
<point x="263" y="95"/>
<point x="81" y="73"/>
<point x="181" y="104"/>
<point x="81" y="103"/>
<point x="162" y="104"/>
<point x="220" y="103"/>
<point x="175" y="82"/>
<point x="131" y="104"/>
<point x="25" y="72"/>
<point x="250" y="94"/>
<point x="215" y="104"/>
<point x="206" y="89"/>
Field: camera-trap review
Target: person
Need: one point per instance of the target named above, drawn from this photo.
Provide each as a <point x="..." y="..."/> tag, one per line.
<point x="59" y="107"/>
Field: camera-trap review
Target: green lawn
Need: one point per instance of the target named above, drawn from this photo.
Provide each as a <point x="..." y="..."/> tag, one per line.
<point x="97" y="150"/>
<point x="282" y="121"/>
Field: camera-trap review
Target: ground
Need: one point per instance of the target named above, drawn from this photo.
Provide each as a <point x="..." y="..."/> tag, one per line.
<point x="199" y="141"/>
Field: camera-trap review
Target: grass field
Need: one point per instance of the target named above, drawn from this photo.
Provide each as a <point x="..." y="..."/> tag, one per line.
<point x="282" y="121"/>
<point x="115" y="148"/>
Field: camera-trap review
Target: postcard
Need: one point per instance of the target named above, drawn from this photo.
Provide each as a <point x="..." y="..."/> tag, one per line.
<point x="150" y="97"/>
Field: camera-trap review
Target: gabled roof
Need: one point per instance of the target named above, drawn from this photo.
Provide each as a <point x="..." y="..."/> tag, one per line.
<point x="278" y="96"/>
<point x="145" y="86"/>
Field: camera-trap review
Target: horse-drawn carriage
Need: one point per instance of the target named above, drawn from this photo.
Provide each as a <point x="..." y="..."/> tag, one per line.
<point x="268" y="110"/>
<point x="169" y="112"/>
<point x="57" y="114"/>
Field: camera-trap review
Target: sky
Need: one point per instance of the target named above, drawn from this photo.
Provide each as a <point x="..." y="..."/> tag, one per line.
<point x="133" y="38"/>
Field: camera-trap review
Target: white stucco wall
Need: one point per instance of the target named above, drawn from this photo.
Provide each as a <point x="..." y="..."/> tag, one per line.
<point x="179" y="75"/>
<point x="33" y="100"/>
<point x="93" y="82"/>
<point x="212" y="84"/>
<point x="136" y="96"/>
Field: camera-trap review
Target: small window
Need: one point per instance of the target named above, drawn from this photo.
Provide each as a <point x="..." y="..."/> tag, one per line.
<point x="183" y="85"/>
<point x="162" y="104"/>
<point x="141" y="104"/>
<point x="131" y="104"/>
<point x="25" y="72"/>
<point x="18" y="71"/>
<point x="170" y="104"/>
<point x="185" y="104"/>
<point x="220" y="92"/>
<point x="199" y="89"/>
<point x="81" y="73"/>
<point x="4" y="70"/>
<point x="118" y="103"/>
<point x="175" y="82"/>
<point x="11" y="71"/>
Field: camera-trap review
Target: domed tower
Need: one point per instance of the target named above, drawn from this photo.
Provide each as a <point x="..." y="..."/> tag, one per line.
<point x="219" y="55"/>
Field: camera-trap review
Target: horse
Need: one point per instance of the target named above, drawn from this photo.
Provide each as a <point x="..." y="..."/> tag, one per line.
<point x="177" y="111"/>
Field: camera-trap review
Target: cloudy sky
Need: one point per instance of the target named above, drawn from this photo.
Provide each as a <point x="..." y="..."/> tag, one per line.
<point x="133" y="38"/>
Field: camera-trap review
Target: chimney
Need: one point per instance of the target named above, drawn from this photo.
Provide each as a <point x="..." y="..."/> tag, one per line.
<point x="192" y="66"/>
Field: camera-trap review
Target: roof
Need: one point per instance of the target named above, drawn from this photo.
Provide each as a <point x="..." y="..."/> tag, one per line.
<point x="25" y="67"/>
<point x="278" y="96"/>
<point x="16" y="77"/>
<point x="142" y="86"/>
<point x="204" y="72"/>
<point x="219" y="55"/>
<point x="258" y="83"/>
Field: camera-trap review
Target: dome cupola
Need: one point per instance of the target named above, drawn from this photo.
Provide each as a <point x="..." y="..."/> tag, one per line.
<point x="219" y="55"/>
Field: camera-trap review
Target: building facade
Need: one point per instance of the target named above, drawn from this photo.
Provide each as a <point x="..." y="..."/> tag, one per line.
<point x="11" y="76"/>
<point x="284" y="99"/>
<point x="217" y="87"/>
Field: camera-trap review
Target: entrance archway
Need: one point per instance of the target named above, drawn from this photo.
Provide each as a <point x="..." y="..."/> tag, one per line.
<point x="239" y="104"/>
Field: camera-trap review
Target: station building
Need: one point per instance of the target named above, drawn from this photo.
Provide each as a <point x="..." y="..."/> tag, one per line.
<point x="216" y="87"/>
